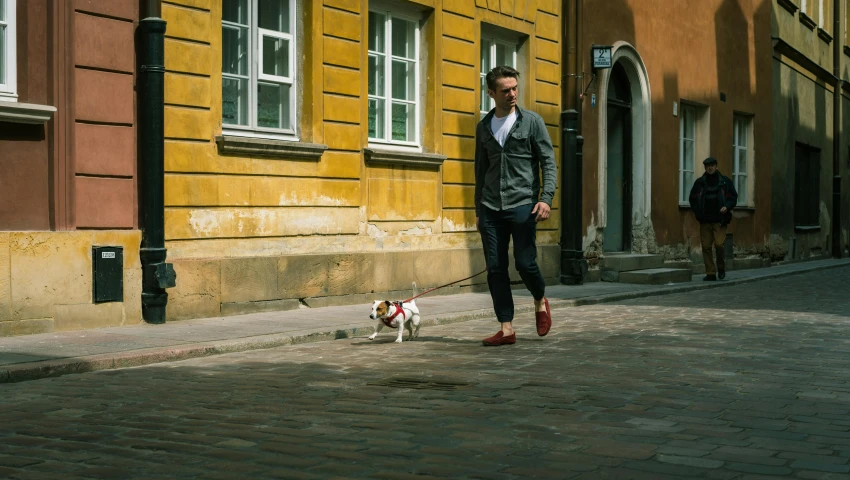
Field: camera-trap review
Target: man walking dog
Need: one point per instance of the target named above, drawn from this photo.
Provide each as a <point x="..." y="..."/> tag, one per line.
<point x="712" y="199"/>
<point x="512" y="146"/>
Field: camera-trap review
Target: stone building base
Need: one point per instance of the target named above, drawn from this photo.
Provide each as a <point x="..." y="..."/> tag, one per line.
<point x="233" y="286"/>
<point x="46" y="281"/>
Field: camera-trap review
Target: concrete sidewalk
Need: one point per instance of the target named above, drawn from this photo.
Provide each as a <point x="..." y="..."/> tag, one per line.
<point x="52" y="354"/>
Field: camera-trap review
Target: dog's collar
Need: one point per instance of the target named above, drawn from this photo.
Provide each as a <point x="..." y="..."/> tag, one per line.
<point x="399" y="309"/>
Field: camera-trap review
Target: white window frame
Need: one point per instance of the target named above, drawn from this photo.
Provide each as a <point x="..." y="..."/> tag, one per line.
<point x="490" y="42"/>
<point x="9" y="87"/>
<point x="742" y="178"/>
<point x="701" y="150"/>
<point x="687" y="165"/>
<point x="255" y="76"/>
<point x="416" y="144"/>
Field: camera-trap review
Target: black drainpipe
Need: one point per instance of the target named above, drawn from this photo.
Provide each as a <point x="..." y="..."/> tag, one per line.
<point x="573" y="263"/>
<point x="156" y="274"/>
<point x="837" y="46"/>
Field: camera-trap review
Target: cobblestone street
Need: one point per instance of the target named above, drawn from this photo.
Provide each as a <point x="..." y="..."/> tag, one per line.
<point x="742" y="382"/>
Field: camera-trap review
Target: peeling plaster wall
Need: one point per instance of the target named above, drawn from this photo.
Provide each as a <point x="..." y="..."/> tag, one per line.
<point x="333" y="223"/>
<point x="46" y="282"/>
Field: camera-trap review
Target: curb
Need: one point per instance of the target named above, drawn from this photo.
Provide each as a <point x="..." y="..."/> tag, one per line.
<point x="148" y="356"/>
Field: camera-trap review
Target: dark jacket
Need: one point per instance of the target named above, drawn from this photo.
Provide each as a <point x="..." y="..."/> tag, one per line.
<point x="509" y="176"/>
<point x="726" y="195"/>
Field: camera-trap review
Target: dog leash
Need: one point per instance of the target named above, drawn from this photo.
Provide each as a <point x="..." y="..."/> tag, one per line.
<point x="441" y="286"/>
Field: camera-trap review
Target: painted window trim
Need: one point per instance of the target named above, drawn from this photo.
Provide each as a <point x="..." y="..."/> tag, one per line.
<point x="30" y="113"/>
<point x="255" y="76"/>
<point x="493" y="41"/>
<point x="389" y="14"/>
<point x="684" y="189"/>
<point x="748" y="148"/>
<point x="9" y="88"/>
<point x="269" y="148"/>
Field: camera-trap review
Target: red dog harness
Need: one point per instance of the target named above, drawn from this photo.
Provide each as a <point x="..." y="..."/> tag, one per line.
<point x="398" y="310"/>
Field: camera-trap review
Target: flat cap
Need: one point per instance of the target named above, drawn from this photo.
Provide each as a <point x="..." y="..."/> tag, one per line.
<point x="710" y="161"/>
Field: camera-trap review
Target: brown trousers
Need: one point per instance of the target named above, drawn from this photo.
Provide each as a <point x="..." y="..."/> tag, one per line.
<point x="712" y="235"/>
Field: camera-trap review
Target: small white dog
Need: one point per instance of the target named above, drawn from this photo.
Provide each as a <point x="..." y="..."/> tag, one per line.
<point x="395" y="315"/>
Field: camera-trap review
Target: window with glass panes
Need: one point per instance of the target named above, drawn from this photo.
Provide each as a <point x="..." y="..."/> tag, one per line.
<point x="494" y="53"/>
<point x="8" y="80"/>
<point x="687" y="147"/>
<point x="393" y="79"/>
<point x="258" y="65"/>
<point x="741" y="127"/>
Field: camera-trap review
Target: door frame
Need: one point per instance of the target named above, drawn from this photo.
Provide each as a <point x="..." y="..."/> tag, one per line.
<point x="640" y="139"/>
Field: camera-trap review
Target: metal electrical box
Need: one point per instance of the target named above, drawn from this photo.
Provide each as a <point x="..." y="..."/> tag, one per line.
<point x="108" y="274"/>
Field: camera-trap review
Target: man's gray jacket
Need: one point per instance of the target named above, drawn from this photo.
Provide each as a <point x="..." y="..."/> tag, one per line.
<point x="509" y="176"/>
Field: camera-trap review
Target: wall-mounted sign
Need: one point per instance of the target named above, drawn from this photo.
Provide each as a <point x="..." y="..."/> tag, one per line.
<point x="601" y="56"/>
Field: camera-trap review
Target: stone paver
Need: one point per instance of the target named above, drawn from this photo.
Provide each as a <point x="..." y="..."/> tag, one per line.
<point x="746" y="381"/>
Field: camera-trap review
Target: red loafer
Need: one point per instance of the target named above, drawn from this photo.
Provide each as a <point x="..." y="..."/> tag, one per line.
<point x="544" y="319"/>
<point x="499" y="339"/>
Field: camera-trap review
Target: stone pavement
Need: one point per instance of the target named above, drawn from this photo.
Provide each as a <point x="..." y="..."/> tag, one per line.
<point x="44" y="355"/>
<point x="748" y="382"/>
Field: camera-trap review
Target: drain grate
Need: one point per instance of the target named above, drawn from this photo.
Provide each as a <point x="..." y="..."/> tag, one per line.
<point x="445" y="386"/>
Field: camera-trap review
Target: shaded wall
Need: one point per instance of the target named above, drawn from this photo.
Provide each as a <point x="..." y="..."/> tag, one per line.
<point x="803" y="90"/>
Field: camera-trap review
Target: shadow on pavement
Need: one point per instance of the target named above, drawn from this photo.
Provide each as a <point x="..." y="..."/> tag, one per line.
<point x="608" y="393"/>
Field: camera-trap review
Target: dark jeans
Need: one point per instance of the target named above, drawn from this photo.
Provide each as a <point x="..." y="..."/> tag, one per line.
<point x="497" y="228"/>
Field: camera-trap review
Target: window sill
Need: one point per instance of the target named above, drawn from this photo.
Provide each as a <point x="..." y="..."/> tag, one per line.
<point x="746" y="208"/>
<point x="788" y="5"/>
<point x="264" y="147"/>
<point x="375" y="156"/>
<point x="807" y="228"/>
<point x="807" y="21"/>
<point x="14" y="112"/>
<point x="826" y="37"/>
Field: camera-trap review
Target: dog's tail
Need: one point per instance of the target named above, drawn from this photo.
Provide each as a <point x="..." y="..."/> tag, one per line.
<point x="415" y="293"/>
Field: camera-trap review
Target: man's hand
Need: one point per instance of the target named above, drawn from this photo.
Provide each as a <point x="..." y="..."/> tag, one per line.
<point x="542" y="210"/>
<point x="723" y="210"/>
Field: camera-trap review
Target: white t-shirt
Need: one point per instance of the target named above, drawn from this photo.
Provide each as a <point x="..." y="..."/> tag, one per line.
<point x="502" y="126"/>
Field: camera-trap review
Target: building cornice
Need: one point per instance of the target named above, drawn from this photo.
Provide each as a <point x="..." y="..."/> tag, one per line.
<point x="782" y="47"/>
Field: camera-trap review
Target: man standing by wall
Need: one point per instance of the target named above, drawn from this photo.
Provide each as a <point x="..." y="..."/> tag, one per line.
<point x="512" y="146"/>
<point x="712" y="199"/>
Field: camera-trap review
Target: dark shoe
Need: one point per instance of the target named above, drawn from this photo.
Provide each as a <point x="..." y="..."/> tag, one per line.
<point x="544" y="319"/>
<point x="709" y="278"/>
<point x="499" y="339"/>
<point x="721" y="274"/>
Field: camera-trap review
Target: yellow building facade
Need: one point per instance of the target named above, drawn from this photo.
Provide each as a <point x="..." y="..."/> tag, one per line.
<point x="320" y="152"/>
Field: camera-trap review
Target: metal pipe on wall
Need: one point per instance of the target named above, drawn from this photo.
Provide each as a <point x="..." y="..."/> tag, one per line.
<point x="156" y="274"/>
<point x="573" y="263"/>
<point x="837" y="46"/>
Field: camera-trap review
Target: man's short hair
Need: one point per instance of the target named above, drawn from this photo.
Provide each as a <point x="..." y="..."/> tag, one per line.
<point x="499" y="72"/>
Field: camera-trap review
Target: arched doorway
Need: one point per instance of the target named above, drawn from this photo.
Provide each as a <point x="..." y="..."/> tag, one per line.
<point x="618" y="202"/>
<point x="631" y="81"/>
